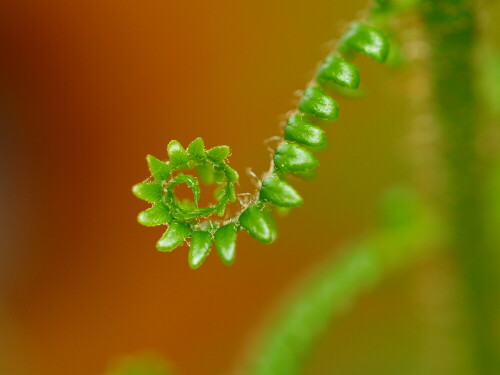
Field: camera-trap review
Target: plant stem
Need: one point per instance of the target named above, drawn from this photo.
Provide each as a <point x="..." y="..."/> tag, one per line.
<point x="452" y="33"/>
<point x="409" y="230"/>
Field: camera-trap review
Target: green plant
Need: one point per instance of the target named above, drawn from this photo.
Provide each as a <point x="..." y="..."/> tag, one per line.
<point x="294" y="155"/>
<point x="412" y="227"/>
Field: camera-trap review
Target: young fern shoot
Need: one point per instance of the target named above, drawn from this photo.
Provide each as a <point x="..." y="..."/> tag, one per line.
<point x="294" y="155"/>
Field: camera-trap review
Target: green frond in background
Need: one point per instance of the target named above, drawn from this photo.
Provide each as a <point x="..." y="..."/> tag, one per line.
<point x="408" y="228"/>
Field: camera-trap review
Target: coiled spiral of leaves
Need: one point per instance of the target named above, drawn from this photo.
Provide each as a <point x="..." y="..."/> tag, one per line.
<point x="294" y="155"/>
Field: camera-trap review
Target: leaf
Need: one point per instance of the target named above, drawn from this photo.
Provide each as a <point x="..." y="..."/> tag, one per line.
<point x="340" y="71"/>
<point x="218" y="153"/>
<point x="231" y="194"/>
<point x="177" y="154"/>
<point x="221" y="207"/>
<point x="279" y="193"/>
<point x="219" y="175"/>
<point x="231" y="174"/>
<point x="220" y="192"/>
<point x="317" y="103"/>
<point x="197" y="149"/>
<point x="148" y="191"/>
<point x="156" y="215"/>
<point x="259" y="224"/>
<point x="201" y="243"/>
<point x="159" y="170"/>
<point x="299" y="130"/>
<point x="206" y="173"/>
<point x="290" y="157"/>
<point x="365" y="39"/>
<point x="225" y="243"/>
<point x="173" y="237"/>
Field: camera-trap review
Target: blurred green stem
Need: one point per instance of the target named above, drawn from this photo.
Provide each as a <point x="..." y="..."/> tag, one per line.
<point x="452" y="37"/>
<point x="408" y="230"/>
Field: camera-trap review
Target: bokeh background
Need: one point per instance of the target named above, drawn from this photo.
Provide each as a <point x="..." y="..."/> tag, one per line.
<point x="88" y="88"/>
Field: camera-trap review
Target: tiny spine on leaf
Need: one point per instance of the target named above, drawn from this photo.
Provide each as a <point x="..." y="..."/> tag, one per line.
<point x="302" y="136"/>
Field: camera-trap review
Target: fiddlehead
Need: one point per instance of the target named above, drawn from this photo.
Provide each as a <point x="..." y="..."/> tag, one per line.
<point x="294" y="155"/>
<point x="183" y="217"/>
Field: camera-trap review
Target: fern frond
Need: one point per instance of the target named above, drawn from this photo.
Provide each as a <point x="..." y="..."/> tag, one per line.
<point x="293" y="155"/>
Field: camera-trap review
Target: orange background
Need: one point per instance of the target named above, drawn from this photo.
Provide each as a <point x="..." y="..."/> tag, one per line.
<point x="87" y="89"/>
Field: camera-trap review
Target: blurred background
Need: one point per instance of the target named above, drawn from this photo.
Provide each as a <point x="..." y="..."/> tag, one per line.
<point x="88" y="88"/>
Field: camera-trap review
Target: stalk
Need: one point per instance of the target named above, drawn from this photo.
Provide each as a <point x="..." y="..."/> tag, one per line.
<point x="451" y="26"/>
